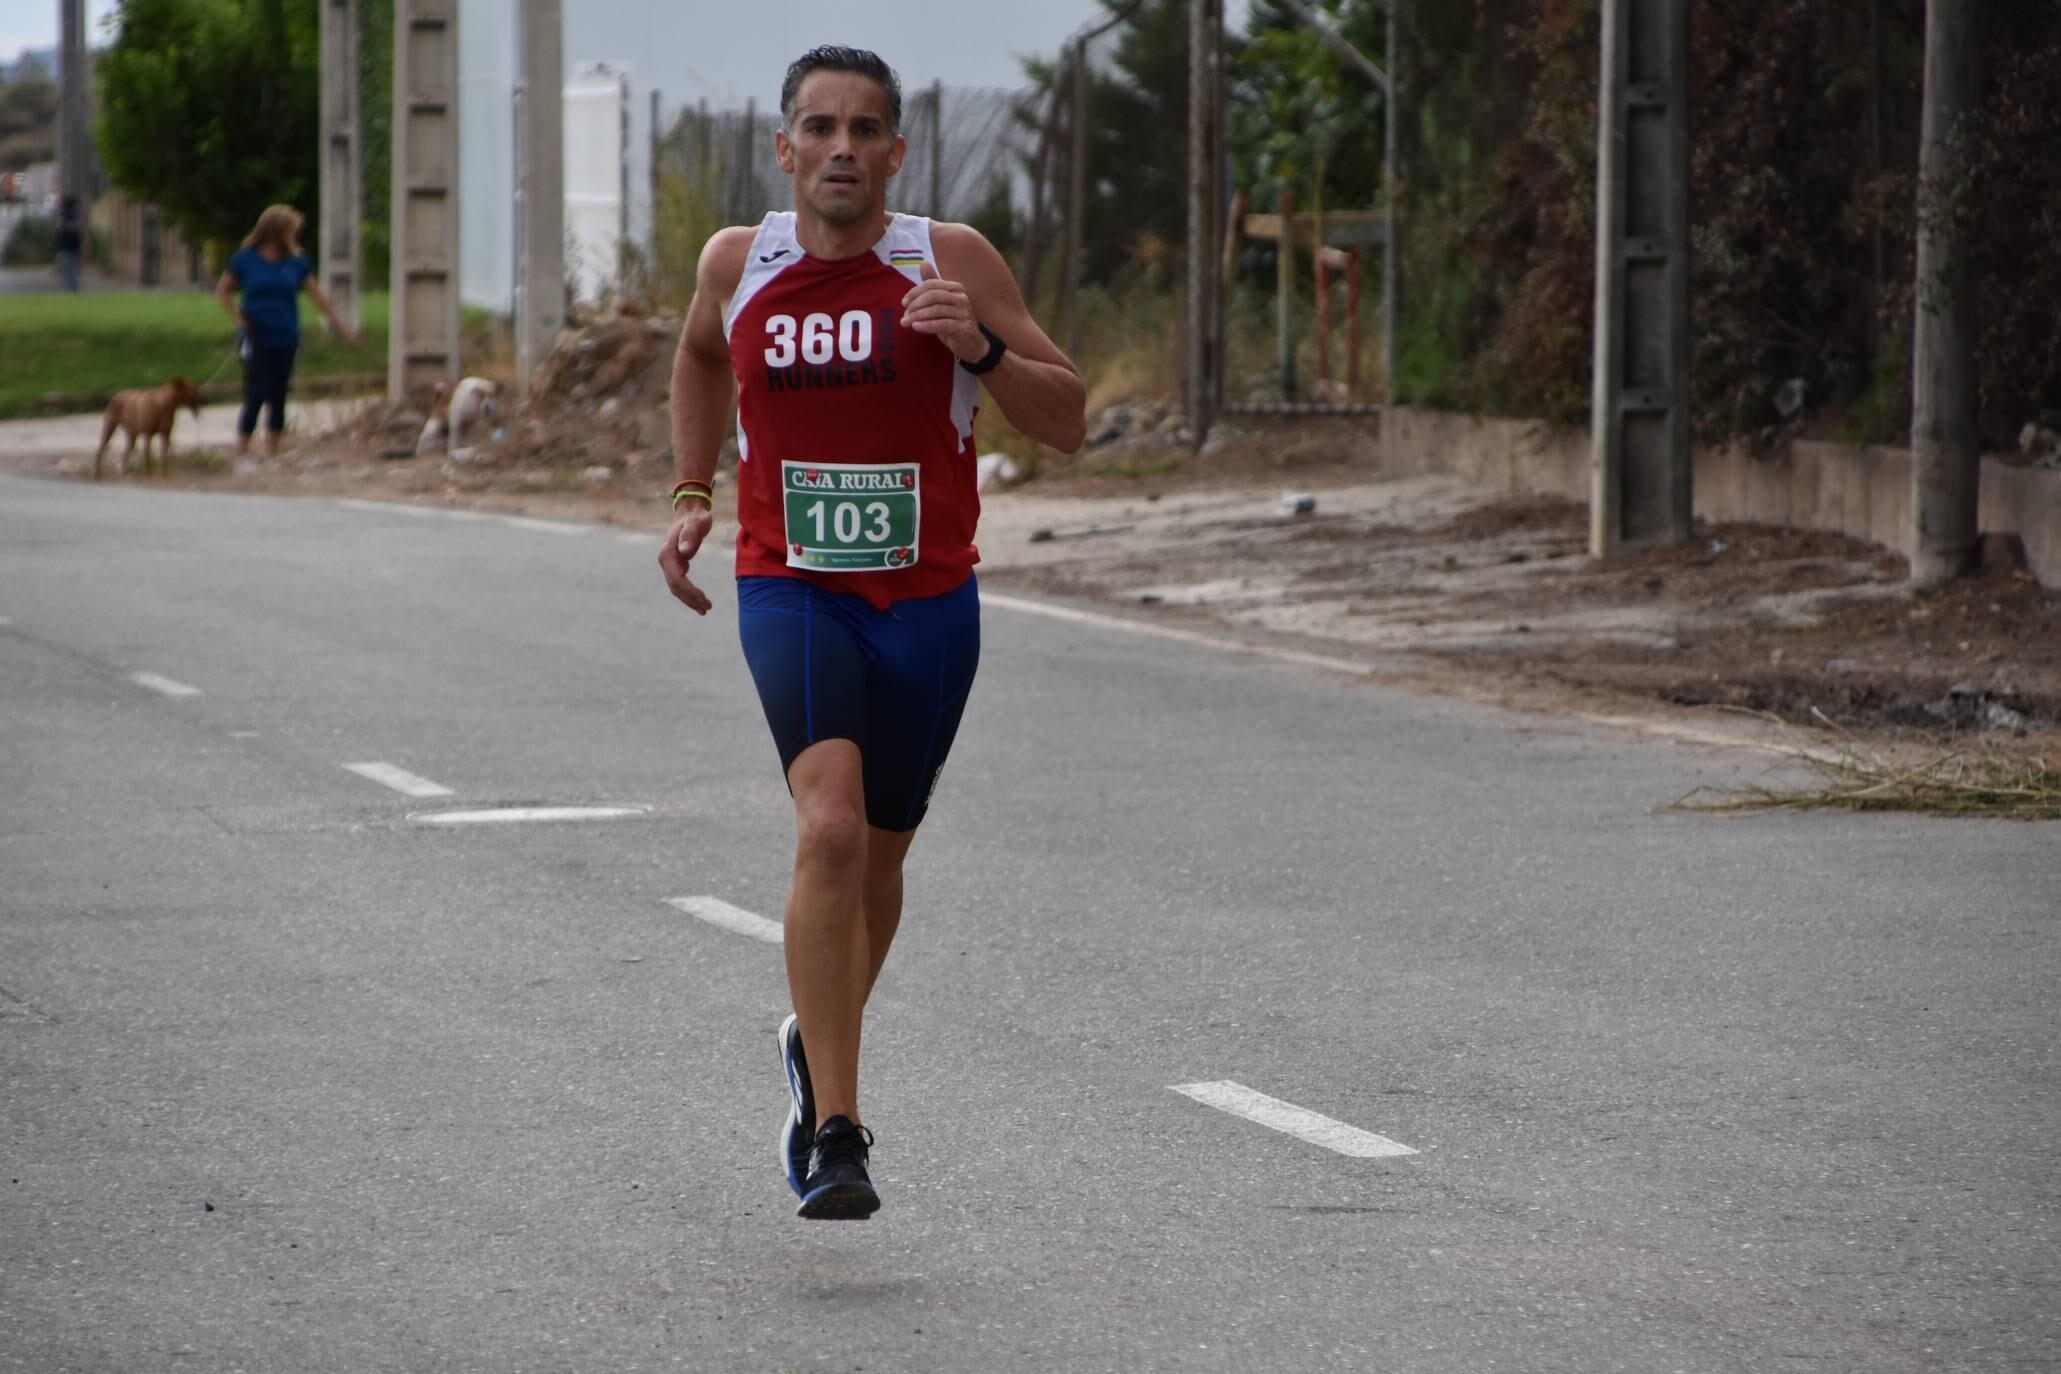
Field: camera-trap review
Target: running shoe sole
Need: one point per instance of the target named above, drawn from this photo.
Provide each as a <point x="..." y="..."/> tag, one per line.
<point x="840" y="1202"/>
<point x="798" y="1132"/>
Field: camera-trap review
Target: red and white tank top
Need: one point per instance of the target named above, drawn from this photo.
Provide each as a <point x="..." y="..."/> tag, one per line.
<point x="855" y="435"/>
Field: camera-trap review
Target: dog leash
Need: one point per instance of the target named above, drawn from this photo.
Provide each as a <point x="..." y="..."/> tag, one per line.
<point x="231" y="356"/>
<point x="236" y="351"/>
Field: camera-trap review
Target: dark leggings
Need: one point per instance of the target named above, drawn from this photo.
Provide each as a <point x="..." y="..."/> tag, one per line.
<point x="265" y="375"/>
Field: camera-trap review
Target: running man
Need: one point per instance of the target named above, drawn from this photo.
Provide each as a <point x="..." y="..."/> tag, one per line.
<point x="859" y="342"/>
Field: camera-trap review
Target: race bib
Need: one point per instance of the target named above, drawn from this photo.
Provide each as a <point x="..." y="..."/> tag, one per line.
<point x="851" y="517"/>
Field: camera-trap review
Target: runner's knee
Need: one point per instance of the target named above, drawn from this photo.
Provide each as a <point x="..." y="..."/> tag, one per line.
<point x="831" y="834"/>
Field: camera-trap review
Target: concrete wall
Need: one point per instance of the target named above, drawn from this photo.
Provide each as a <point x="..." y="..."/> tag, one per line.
<point x="1862" y="492"/>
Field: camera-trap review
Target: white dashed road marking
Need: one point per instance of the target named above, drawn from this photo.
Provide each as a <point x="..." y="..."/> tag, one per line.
<point x="389" y="507"/>
<point x="503" y="815"/>
<point x="718" y="912"/>
<point x="525" y="522"/>
<point x="400" y="780"/>
<point x="166" y="685"/>
<point x="1300" y="1122"/>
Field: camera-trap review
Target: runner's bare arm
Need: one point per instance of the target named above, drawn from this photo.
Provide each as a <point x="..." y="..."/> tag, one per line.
<point x="1037" y="386"/>
<point x="703" y="390"/>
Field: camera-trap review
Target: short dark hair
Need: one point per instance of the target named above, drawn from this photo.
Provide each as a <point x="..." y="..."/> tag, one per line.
<point x="834" y="58"/>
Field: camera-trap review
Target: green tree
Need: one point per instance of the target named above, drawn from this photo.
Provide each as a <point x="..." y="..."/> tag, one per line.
<point x="208" y="109"/>
<point x="28" y="121"/>
<point x="1300" y="116"/>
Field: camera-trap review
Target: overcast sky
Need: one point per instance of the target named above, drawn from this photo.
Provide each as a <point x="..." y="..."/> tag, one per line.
<point x="727" y="52"/>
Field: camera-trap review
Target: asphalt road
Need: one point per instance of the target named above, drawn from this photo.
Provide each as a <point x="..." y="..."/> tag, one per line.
<point x="290" y="1082"/>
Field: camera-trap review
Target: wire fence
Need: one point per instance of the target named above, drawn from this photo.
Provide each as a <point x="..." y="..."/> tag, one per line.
<point x="963" y="143"/>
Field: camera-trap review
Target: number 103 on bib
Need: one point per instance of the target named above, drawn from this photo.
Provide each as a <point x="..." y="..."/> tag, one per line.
<point x="852" y="517"/>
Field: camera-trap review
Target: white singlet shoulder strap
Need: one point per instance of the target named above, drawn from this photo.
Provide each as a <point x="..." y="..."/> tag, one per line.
<point x="906" y="246"/>
<point x="774" y="248"/>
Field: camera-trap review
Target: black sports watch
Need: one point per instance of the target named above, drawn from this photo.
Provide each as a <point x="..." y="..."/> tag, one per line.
<point x="990" y="360"/>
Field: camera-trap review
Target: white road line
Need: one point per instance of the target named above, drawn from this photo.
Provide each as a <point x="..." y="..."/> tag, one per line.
<point x="1239" y="1100"/>
<point x="1176" y="634"/>
<point x="389" y="507"/>
<point x="526" y="522"/>
<point x="166" y="685"/>
<point x="501" y="815"/>
<point x="718" y="912"/>
<point x="400" y="780"/>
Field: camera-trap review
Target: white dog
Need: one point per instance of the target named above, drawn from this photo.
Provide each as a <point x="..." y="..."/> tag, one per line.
<point x="457" y="410"/>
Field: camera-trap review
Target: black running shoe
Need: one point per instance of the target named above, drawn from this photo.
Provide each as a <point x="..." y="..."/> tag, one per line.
<point x="798" y="1133"/>
<point x="837" y="1188"/>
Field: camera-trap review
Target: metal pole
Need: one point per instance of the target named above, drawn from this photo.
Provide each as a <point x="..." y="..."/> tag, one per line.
<point x="1336" y="42"/>
<point x="1284" y="295"/>
<point x="1946" y="454"/>
<point x="1323" y="323"/>
<point x="1202" y="217"/>
<point x="1390" y="249"/>
<point x="1076" y="204"/>
<point x="651" y="142"/>
<point x="1220" y="181"/>
<point x="747" y="175"/>
<point x="937" y="149"/>
<point x="1352" y="326"/>
<point x="1034" y="239"/>
<point x="540" y="264"/>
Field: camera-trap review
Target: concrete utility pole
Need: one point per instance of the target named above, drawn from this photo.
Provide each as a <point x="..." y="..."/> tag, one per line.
<point x="1205" y="28"/>
<point x="343" y="203"/>
<point x="1640" y="403"/>
<point x="1946" y="445"/>
<point x="422" y="346"/>
<point x="540" y="188"/>
<point x="74" y="137"/>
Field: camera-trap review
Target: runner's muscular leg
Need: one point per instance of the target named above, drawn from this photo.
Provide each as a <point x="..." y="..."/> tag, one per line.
<point x="885" y="850"/>
<point x="829" y="962"/>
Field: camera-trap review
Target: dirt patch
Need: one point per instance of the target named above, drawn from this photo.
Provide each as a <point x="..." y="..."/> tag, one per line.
<point x="1452" y="587"/>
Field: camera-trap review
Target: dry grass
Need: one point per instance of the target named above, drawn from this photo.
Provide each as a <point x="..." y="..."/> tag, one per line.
<point x="1986" y="780"/>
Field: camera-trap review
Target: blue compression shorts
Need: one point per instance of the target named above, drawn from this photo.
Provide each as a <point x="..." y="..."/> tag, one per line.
<point x="894" y="682"/>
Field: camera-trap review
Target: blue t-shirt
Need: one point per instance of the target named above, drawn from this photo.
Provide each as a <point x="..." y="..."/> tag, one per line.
<point x="271" y="295"/>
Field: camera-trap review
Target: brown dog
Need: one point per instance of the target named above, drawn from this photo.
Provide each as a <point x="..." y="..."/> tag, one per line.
<point x="150" y="414"/>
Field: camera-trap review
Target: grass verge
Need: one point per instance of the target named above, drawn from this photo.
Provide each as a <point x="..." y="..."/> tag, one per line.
<point x="63" y="351"/>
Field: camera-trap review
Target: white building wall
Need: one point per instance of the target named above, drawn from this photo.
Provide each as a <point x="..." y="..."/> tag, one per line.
<point x="486" y="153"/>
<point x="597" y="109"/>
<point x="488" y="31"/>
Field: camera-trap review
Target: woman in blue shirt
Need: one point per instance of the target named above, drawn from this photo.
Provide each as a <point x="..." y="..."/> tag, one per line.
<point x="271" y="272"/>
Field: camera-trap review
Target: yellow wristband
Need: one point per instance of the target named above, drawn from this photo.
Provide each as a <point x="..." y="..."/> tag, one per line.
<point x="680" y="496"/>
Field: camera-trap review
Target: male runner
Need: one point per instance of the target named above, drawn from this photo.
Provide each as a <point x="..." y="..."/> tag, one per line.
<point x="859" y="341"/>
